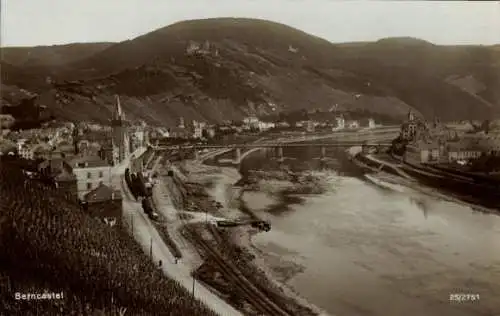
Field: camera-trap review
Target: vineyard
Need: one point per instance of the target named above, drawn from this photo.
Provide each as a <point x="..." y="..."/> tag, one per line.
<point x="48" y="244"/>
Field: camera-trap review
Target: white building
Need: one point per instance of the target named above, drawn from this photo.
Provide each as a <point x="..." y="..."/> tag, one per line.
<point x="198" y="132"/>
<point x="90" y="172"/>
<point x="310" y="126"/>
<point x="340" y="122"/>
<point x="192" y="48"/>
<point x="211" y="132"/>
<point x="250" y="120"/>
<point x="26" y="151"/>
<point x="371" y="123"/>
<point x="353" y="124"/>
<point x="264" y="126"/>
<point x="253" y="122"/>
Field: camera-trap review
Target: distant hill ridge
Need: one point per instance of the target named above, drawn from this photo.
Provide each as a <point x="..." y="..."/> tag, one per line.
<point x="258" y="67"/>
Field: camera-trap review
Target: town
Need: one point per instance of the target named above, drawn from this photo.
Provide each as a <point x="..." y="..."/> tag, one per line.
<point x="79" y="158"/>
<point x="248" y="158"/>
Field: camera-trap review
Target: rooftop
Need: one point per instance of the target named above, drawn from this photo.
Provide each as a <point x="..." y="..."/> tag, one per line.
<point x="56" y="163"/>
<point x="65" y="176"/>
<point x="88" y="162"/>
<point x="101" y="194"/>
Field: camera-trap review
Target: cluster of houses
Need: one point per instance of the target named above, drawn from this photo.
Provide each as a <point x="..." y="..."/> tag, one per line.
<point x="80" y="159"/>
<point x="339" y="123"/>
<point x="89" y="180"/>
<point x="198" y="130"/>
<point x="434" y="142"/>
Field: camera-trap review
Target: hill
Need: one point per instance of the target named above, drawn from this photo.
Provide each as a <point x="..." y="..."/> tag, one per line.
<point x="50" y="55"/>
<point x="226" y="68"/>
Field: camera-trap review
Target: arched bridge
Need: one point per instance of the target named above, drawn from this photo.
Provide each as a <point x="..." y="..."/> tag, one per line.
<point x="275" y="145"/>
<point x="278" y="146"/>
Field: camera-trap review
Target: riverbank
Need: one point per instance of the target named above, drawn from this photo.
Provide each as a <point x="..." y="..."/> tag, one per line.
<point x="426" y="182"/>
<point x="359" y="250"/>
<point x="220" y="187"/>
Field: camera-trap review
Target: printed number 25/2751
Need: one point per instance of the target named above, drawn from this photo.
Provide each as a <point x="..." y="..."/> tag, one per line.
<point x="461" y="297"/>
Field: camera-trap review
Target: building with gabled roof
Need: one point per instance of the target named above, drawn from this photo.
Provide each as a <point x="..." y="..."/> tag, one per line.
<point x="90" y="172"/>
<point x="104" y="203"/>
<point x="59" y="171"/>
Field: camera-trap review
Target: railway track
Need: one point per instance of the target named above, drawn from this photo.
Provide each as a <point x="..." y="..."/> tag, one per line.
<point x="252" y="293"/>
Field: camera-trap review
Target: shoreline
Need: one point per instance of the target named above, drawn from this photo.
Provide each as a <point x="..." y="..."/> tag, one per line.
<point x="431" y="190"/>
<point x="278" y="274"/>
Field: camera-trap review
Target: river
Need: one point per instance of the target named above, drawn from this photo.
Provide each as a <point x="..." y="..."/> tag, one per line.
<point x="366" y="250"/>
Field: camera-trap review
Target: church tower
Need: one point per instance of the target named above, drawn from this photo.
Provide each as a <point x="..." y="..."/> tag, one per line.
<point x="120" y="136"/>
<point x="411" y="116"/>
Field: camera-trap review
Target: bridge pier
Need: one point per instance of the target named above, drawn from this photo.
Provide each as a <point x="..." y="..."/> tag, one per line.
<point x="280" y="154"/>
<point x="237" y="155"/>
<point x="323" y="152"/>
<point x="196" y="154"/>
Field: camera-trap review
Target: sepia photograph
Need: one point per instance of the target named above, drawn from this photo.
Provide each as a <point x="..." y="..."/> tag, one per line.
<point x="249" y="158"/>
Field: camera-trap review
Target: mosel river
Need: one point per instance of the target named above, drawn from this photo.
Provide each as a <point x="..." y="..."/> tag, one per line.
<point x="366" y="250"/>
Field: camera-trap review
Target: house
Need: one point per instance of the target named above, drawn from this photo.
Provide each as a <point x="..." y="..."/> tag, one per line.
<point x="7" y="147"/>
<point x="353" y="124"/>
<point x="90" y="172"/>
<point x="162" y="132"/>
<point x="264" y="126"/>
<point x="48" y="166"/>
<point x="66" y="182"/>
<point x="26" y="151"/>
<point x="6" y="121"/>
<point x="181" y="123"/>
<point x="43" y="151"/>
<point x="60" y="172"/>
<point x="198" y="132"/>
<point x="251" y="120"/>
<point x="282" y="124"/>
<point x="106" y="153"/>
<point x="340" y="122"/>
<point x="178" y="132"/>
<point x="424" y="152"/>
<point x="310" y="127"/>
<point x="104" y="203"/>
<point x="210" y="132"/>
<point x="64" y="150"/>
<point x="458" y="151"/>
<point x="137" y="137"/>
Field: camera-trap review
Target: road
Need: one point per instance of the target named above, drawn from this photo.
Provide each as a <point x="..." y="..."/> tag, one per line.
<point x="148" y="237"/>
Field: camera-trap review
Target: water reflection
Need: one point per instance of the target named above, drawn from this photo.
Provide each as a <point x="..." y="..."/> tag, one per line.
<point x="422" y="204"/>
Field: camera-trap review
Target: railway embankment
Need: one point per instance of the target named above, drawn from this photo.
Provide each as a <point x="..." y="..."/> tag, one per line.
<point x="228" y="266"/>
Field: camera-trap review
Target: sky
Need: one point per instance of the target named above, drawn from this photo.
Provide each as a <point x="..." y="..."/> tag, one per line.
<point x="49" y="22"/>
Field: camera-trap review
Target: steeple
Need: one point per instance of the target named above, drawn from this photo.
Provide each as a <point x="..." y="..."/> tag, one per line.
<point x="118" y="115"/>
<point x="411" y="116"/>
